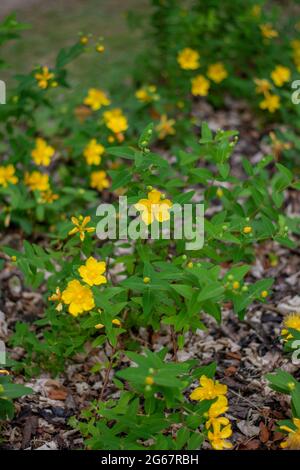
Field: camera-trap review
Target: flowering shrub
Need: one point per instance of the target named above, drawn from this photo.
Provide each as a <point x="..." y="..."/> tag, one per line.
<point x="62" y="155"/>
<point x="163" y="283"/>
<point x="245" y="49"/>
<point x="138" y="419"/>
<point x="51" y="144"/>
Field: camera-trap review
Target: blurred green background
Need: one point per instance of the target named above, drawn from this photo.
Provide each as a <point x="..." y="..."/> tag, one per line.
<point x="56" y="24"/>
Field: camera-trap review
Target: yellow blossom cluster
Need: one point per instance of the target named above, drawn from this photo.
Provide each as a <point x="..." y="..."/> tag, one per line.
<point x="188" y="59"/>
<point x="271" y="102"/>
<point x="79" y="297"/>
<point x="219" y="426"/>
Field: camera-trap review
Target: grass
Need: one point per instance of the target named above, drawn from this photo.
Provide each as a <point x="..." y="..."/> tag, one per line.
<point x="56" y="24"/>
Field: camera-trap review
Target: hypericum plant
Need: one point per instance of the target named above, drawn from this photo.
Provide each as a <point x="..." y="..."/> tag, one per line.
<point x="152" y="411"/>
<point x="51" y="145"/>
<point x="159" y="283"/>
<point x="242" y="48"/>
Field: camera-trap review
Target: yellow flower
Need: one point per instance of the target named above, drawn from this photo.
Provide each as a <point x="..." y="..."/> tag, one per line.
<point x="92" y="272"/>
<point x="154" y="208"/>
<point x="143" y="96"/>
<point x="218" y="437"/>
<point x="208" y="390"/>
<point x="268" y="31"/>
<point x="146" y="94"/>
<point x="217" y="72"/>
<point x="236" y="285"/>
<point x="264" y="294"/>
<point x="7" y="175"/>
<point x="188" y="59"/>
<point x="44" y="77"/>
<point x="57" y="298"/>
<point x="262" y="85"/>
<point x="293" y="440"/>
<point x="278" y="146"/>
<point x="96" y="99"/>
<point x="247" y="229"/>
<point x="80" y="226"/>
<point x="48" y="197"/>
<point x="280" y="75"/>
<point x="37" y="181"/>
<point x="200" y="86"/>
<point x="42" y="153"/>
<point x="93" y="152"/>
<point x="79" y="298"/>
<point x="291" y="321"/>
<point x="115" y="120"/>
<point x="146" y="280"/>
<point x="165" y="127"/>
<point x="216" y="409"/>
<point x="99" y="180"/>
<point x="271" y="103"/>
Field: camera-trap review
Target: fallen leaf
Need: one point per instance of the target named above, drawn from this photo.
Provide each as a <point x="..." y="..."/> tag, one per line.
<point x="56" y="391"/>
<point x="264" y="433"/>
